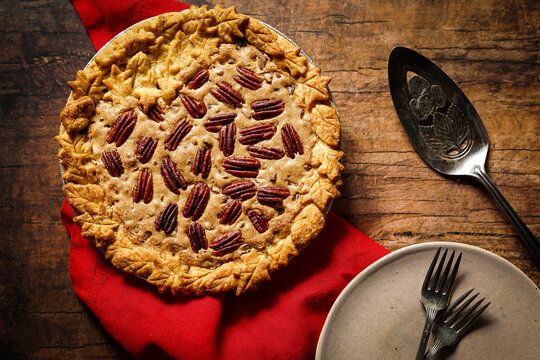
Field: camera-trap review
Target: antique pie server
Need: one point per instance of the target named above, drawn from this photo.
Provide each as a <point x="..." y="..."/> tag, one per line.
<point x="444" y="127"/>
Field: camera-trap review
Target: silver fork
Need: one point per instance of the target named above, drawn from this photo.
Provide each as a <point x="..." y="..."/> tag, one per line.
<point x="450" y="328"/>
<point x="436" y="294"/>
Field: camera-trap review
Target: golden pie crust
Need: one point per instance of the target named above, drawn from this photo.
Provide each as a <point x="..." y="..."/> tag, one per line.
<point x="151" y="66"/>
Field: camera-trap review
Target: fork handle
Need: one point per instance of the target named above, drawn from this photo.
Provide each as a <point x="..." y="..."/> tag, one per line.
<point x="430" y="319"/>
<point x="437" y="345"/>
<point x="530" y="241"/>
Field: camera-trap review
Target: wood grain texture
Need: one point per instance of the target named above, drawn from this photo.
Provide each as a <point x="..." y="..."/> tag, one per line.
<point x="489" y="48"/>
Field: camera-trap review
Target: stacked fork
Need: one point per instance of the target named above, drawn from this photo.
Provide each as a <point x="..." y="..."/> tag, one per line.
<point x="435" y="295"/>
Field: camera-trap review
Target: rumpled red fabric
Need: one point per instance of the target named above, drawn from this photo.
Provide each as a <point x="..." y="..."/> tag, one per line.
<point x="281" y="320"/>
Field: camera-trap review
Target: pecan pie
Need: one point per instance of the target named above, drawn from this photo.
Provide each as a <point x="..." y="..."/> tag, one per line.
<point x="200" y="151"/>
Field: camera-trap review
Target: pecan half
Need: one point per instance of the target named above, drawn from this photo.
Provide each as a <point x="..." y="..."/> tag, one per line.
<point x="247" y="78"/>
<point x="291" y="141"/>
<point x="202" y="163"/>
<point x="177" y="134"/>
<point x="154" y="112"/>
<point x="258" y="220"/>
<point x="216" y="122"/>
<point x="230" y="212"/>
<point x="122" y="128"/>
<point x="167" y="219"/>
<point x="227" y="243"/>
<point x="197" y="237"/>
<point x="242" y="166"/>
<point x="272" y="195"/>
<point x="145" y="148"/>
<point x="254" y="134"/>
<point x="267" y="109"/>
<point x="265" y="153"/>
<point x="172" y="177"/>
<point x="195" y="109"/>
<point x="227" y="138"/>
<point x="113" y="163"/>
<point x="143" y="189"/>
<point x="242" y="190"/>
<point x="226" y="94"/>
<point x="199" y="80"/>
<point x="196" y="201"/>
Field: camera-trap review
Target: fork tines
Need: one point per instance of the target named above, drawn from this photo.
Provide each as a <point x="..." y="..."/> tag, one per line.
<point x="461" y="322"/>
<point x="454" y="323"/>
<point x="435" y="293"/>
<point x="442" y="283"/>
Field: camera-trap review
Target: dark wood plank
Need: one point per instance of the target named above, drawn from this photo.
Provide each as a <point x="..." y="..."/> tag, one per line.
<point x="43" y="45"/>
<point x="388" y="193"/>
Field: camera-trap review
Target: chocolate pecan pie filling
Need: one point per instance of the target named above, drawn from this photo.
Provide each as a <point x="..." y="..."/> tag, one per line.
<point x="206" y="164"/>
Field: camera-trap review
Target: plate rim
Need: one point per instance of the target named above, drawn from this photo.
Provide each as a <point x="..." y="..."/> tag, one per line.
<point x="390" y="257"/>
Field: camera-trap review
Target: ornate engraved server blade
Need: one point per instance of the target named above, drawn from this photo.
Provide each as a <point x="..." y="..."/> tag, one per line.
<point x="440" y="121"/>
<point x="444" y="127"/>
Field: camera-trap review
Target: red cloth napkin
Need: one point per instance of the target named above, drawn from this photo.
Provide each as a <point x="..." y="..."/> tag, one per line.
<point x="104" y="19"/>
<point x="282" y="320"/>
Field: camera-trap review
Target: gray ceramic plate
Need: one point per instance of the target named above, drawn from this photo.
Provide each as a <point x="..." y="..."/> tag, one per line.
<point x="379" y="315"/>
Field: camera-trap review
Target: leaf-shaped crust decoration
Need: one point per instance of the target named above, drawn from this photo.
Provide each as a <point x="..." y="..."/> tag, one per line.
<point x="138" y="67"/>
<point x="139" y="262"/>
<point x="145" y="80"/>
<point x="318" y="190"/>
<point x="75" y="156"/>
<point x="179" y="53"/>
<point x="262" y="38"/>
<point x="327" y="125"/>
<point x="158" y="45"/>
<point x="88" y="83"/>
<point x="204" y="48"/>
<point x="123" y="240"/>
<point x="312" y="90"/>
<point x="255" y="271"/>
<point x="228" y="23"/>
<point x="124" y="46"/>
<point x="197" y="19"/>
<point x="86" y="198"/>
<point x="81" y="174"/>
<point x="169" y="87"/>
<point x="109" y="55"/>
<point x="169" y="275"/>
<point x="74" y="116"/>
<point x="291" y="58"/>
<point x="100" y="228"/>
<point x="327" y="160"/>
<point x="119" y="84"/>
<point x="102" y="233"/>
<point x="165" y="25"/>
<point x="223" y="278"/>
<point x="134" y="42"/>
<point x="163" y="277"/>
<point x="281" y="252"/>
<point x="78" y="144"/>
<point x="147" y="96"/>
<point x="307" y="225"/>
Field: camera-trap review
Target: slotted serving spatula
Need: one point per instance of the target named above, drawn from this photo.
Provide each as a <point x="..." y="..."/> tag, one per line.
<point x="444" y="127"/>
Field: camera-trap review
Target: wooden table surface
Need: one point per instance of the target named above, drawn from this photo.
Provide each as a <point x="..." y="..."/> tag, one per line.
<point x="490" y="48"/>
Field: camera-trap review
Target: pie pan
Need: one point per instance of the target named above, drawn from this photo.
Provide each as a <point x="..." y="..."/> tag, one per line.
<point x="155" y="67"/>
